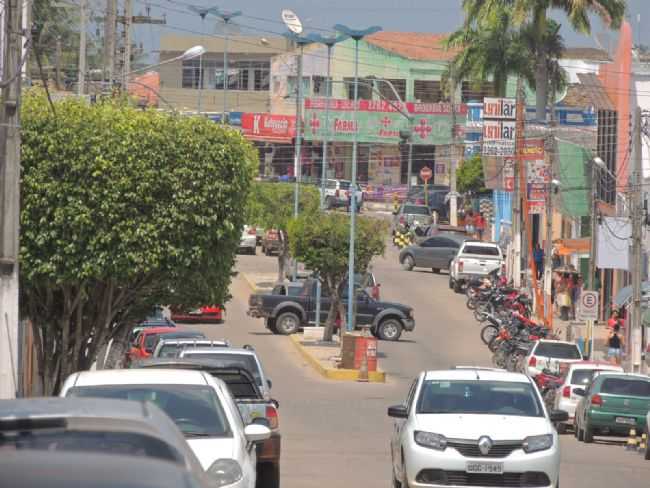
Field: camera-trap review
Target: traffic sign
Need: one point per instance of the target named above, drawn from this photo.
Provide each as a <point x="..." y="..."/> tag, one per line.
<point x="426" y="173"/>
<point x="588" y="309"/>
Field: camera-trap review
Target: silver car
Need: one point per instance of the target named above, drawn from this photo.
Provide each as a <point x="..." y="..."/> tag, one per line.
<point x="435" y="252"/>
<point x="412" y="215"/>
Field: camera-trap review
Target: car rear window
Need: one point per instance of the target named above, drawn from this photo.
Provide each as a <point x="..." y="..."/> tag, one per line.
<point x="416" y="210"/>
<point x="626" y="387"/>
<point x="244" y="361"/>
<point x="121" y="443"/>
<point x="557" y="350"/>
<point x="481" y="250"/>
<point x="582" y="376"/>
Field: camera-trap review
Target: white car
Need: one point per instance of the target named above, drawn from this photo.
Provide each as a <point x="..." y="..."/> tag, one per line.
<point x="550" y="355"/>
<point x="474" y="427"/>
<point x="474" y="259"/>
<point x="248" y="240"/>
<point x="240" y="357"/>
<point x="200" y="405"/>
<point x="579" y="375"/>
<point x="171" y="348"/>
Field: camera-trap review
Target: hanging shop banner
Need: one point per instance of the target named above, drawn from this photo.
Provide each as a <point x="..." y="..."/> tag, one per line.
<point x="499" y="126"/>
<point x="378" y="121"/>
<point x="268" y="127"/>
<point x="537" y="174"/>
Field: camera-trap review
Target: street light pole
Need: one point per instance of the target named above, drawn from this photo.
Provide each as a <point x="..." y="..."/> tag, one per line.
<point x="357" y="35"/>
<point x="226" y="17"/>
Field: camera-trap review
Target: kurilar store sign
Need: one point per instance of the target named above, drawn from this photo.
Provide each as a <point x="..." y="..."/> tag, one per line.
<point x="378" y="121"/>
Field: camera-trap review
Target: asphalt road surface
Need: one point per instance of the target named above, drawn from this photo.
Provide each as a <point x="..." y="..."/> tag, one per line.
<point x="336" y="434"/>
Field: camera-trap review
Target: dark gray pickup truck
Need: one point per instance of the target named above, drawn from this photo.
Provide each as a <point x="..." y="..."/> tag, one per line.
<point x="288" y="314"/>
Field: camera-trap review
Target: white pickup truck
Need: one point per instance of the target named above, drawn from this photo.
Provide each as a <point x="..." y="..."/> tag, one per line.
<point x="475" y="259"/>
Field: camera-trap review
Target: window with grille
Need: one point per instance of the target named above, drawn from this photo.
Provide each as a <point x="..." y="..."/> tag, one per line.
<point x="365" y="88"/>
<point x="429" y="91"/>
<point x="191" y="73"/>
<point x="387" y="92"/>
<point x="320" y="85"/>
<point x="476" y="91"/>
<point x="261" y="76"/>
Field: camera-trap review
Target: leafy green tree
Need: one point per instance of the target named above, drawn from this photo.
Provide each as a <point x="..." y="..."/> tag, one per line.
<point x="470" y="176"/>
<point x="122" y="209"/>
<point x="271" y="205"/>
<point x="322" y="243"/>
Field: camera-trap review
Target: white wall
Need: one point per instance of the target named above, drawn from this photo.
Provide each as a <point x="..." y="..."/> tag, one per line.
<point x="575" y="66"/>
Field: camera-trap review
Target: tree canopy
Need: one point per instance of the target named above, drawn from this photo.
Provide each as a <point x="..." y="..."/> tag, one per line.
<point x="470" y="177"/>
<point x="322" y="243"/>
<point x="121" y="209"/>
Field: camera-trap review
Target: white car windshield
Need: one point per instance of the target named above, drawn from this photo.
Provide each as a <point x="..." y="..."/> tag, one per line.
<point x="557" y="350"/>
<point x="478" y="397"/>
<point x="195" y="409"/>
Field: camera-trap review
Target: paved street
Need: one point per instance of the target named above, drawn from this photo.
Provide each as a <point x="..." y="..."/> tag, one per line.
<point x="336" y="434"/>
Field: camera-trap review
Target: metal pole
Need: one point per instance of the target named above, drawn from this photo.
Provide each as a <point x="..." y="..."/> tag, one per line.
<point x="318" y="298"/>
<point x="353" y="185"/>
<point x="109" y="40"/>
<point x="519" y="174"/>
<point x="10" y="199"/>
<point x="594" y="227"/>
<point x="409" y="164"/>
<point x="198" y="101"/>
<point x="82" y="48"/>
<point x="548" y="244"/>
<point x="637" y="249"/>
<point x="453" y="189"/>
<point x="226" y="78"/>
<point x="297" y="165"/>
<point x="327" y="126"/>
<point x="128" y="17"/>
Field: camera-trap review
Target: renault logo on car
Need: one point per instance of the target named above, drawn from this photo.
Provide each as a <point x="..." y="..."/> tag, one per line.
<point x="484" y="445"/>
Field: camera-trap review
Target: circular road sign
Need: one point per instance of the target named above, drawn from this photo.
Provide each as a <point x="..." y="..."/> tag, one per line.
<point x="426" y="173"/>
<point x="589" y="300"/>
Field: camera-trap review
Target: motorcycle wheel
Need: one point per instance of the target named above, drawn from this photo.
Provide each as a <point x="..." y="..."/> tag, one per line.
<point x="471" y="303"/>
<point x="480" y="316"/>
<point x="488" y="333"/>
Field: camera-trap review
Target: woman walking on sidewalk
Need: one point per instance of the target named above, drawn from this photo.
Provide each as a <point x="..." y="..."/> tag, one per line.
<point x="615" y="345"/>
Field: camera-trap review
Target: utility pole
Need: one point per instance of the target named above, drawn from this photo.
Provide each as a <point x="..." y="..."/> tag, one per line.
<point x="594" y="226"/>
<point x="27" y="27"/>
<point x="10" y="198"/>
<point x="81" y="79"/>
<point x="636" y="342"/>
<point x="453" y="199"/>
<point x="110" y="25"/>
<point x="550" y="148"/>
<point x="58" y="55"/>
<point x="128" y="19"/>
<point x="519" y="175"/>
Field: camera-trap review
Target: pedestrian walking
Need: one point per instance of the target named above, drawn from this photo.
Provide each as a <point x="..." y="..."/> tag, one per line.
<point x="556" y="259"/>
<point x="469" y="223"/>
<point x="615" y="320"/>
<point x="615" y="344"/>
<point x="538" y="257"/>
<point x="479" y="224"/>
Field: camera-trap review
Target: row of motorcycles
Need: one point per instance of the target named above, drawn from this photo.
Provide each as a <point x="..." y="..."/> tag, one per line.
<point x="507" y="328"/>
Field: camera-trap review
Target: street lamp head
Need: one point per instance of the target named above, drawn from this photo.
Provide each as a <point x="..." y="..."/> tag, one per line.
<point x="193" y="52"/>
<point x="328" y="40"/>
<point x="356" y="34"/>
<point x="298" y="39"/>
<point x="225" y="15"/>
<point x="202" y="11"/>
<point x="599" y="162"/>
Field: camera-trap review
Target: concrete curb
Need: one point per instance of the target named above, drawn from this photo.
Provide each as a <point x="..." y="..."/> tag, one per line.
<point x="249" y="282"/>
<point x="335" y="373"/>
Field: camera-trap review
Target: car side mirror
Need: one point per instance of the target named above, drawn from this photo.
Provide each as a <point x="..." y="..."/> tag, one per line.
<point x="559" y="416"/>
<point x="580" y="391"/>
<point x="269" y="383"/>
<point x="256" y="433"/>
<point x="275" y="403"/>
<point x="398" y="412"/>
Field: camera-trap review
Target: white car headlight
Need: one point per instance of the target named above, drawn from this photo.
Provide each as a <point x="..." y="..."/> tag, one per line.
<point x="538" y="443"/>
<point x="431" y="440"/>
<point x="224" y="472"/>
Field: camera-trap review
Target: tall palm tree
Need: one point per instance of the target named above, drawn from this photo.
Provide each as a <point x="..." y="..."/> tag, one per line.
<point x="536" y="12"/>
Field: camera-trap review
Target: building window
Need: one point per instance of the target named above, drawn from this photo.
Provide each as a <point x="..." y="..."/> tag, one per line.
<point x="387" y="92"/>
<point x="320" y="86"/>
<point x="428" y="91"/>
<point x="261" y="76"/>
<point x="365" y="88"/>
<point x="191" y="73"/>
<point x="476" y="91"/>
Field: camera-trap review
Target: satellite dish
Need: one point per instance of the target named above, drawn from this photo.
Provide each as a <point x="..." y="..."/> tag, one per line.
<point x="292" y="21"/>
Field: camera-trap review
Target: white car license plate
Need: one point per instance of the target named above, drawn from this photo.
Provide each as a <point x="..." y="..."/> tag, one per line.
<point x="484" y="468"/>
<point x="625" y="420"/>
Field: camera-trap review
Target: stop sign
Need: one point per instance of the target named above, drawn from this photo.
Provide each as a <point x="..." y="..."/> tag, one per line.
<point x="426" y="173"/>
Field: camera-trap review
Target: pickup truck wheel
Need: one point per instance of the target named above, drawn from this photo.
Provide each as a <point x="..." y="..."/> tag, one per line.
<point x="268" y="476"/>
<point x="588" y="434"/>
<point x="389" y="329"/>
<point x="451" y="283"/>
<point x="458" y="286"/>
<point x="408" y="262"/>
<point x="287" y="323"/>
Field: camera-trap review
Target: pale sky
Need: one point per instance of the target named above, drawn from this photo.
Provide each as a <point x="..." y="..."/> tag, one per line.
<point x="263" y="17"/>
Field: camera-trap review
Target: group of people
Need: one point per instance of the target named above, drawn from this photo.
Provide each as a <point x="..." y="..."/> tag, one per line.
<point x="475" y="224"/>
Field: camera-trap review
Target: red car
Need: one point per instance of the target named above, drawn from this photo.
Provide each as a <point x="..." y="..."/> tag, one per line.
<point x="145" y="342"/>
<point x="213" y="314"/>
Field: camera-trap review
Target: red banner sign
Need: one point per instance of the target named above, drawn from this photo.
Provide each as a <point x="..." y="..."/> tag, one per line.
<point x="268" y="127"/>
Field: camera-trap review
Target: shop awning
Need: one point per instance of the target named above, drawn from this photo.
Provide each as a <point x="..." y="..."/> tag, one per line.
<point x="566" y="247"/>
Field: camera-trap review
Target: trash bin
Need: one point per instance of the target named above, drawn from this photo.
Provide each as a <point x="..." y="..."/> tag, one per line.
<point x="368" y="346"/>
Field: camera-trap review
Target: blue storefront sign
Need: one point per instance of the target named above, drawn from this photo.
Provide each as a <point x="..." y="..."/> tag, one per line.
<point x="234" y="118"/>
